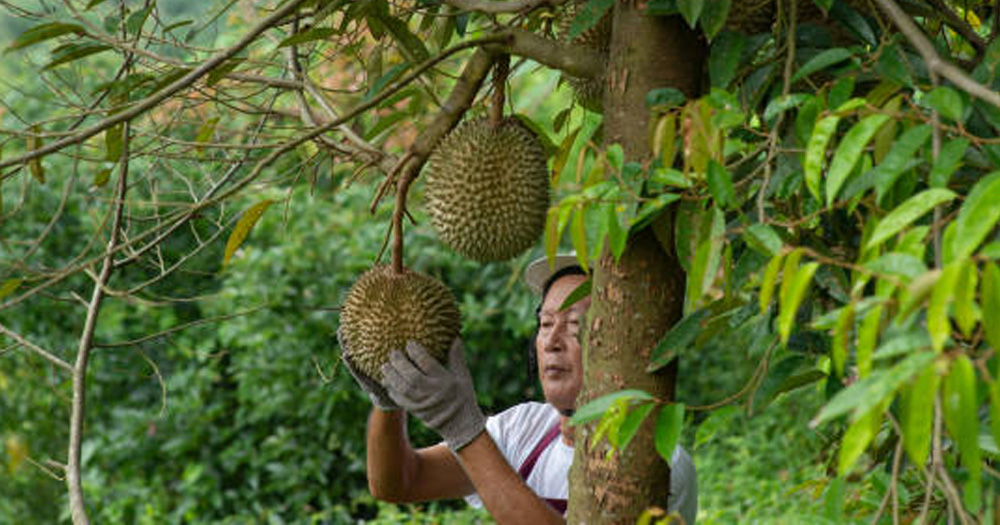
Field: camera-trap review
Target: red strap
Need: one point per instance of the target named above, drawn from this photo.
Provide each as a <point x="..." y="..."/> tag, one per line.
<point x="547" y="439"/>
<point x="529" y="464"/>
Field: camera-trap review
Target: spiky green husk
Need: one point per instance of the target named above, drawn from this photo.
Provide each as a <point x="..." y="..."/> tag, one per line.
<point x="384" y="310"/>
<point x="488" y="189"/>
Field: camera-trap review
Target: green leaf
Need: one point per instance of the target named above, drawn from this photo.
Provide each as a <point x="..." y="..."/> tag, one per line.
<point x="898" y="264"/>
<point x="580" y="292"/>
<point x="71" y="52"/>
<point x="856" y="439"/>
<point x="898" y="159"/>
<point x="101" y="177"/>
<point x="763" y="239"/>
<point x="990" y="300"/>
<point x="904" y="214"/>
<point x="768" y="280"/>
<point x="135" y="21"/>
<point x="945" y="101"/>
<point x="938" y="325"/>
<point x="411" y="45"/>
<point x="720" y="185"/>
<point x="917" y="413"/>
<point x="669" y="424"/>
<point x="690" y="10"/>
<point x="596" y="408"/>
<point x="243" y="228"/>
<point x="665" y="98"/>
<point x="713" y="17"/>
<point x="220" y="72"/>
<point x="868" y="334"/>
<point x="725" y="58"/>
<point x="841" y="338"/>
<point x="978" y="216"/>
<point x="849" y="153"/>
<point x="113" y="145"/>
<point x="9" y="286"/>
<point x="965" y="312"/>
<point x="792" y="297"/>
<point x="960" y="417"/>
<point x="871" y="391"/>
<point x="43" y="32"/>
<point x="948" y="161"/>
<point x="588" y="17"/>
<point x="816" y="152"/>
<point x="994" y="391"/>
<point x="707" y="257"/>
<point x="312" y="34"/>
<point x="821" y="61"/>
<point x="676" y="339"/>
<point x="633" y="420"/>
<point x="382" y="82"/>
<point x="824" y="4"/>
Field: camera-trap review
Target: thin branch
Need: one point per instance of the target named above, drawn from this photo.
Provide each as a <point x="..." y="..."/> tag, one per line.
<point x="959" y="25"/>
<point x="932" y="59"/>
<point x="161" y="95"/>
<point x="35" y="348"/>
<point x="501" y="7"/>
<point x="177" y="328"/>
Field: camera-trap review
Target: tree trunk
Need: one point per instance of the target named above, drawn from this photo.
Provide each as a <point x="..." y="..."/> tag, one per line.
<point x="638" y="298"/>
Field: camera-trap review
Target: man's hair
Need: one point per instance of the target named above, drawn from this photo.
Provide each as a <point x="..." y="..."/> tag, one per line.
<point x="532" y="359"/>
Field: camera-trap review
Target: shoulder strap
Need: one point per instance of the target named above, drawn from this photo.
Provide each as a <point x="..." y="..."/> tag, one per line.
<point x="547" y="439"/>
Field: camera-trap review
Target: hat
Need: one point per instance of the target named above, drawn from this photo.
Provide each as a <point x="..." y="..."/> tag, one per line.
<point x="539" y="271"/>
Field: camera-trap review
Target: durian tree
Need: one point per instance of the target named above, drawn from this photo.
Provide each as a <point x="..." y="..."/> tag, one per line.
<point x="807" y="184"/>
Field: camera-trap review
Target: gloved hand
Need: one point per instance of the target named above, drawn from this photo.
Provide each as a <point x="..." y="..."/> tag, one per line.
<point x="376" y="392"/>
<point x="443" y="398"/>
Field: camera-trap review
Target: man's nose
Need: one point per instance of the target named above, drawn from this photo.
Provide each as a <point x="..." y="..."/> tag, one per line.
<point x="555" y="340"/>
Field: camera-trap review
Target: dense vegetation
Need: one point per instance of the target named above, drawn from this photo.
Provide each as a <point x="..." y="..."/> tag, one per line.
<point x="187" y="191"/>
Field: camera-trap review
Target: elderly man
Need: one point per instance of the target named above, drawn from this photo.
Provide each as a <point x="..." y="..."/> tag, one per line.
<point x="519" y="466"/>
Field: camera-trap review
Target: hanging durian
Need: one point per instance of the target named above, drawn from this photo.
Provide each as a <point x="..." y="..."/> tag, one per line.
<point x="385" y="309"/>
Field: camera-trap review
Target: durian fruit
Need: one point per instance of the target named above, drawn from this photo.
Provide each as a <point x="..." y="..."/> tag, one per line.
<point x="488" y="189"/>
<point x="385" y="309"/>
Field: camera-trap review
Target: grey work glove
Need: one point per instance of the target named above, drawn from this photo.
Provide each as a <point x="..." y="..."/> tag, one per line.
<point x="376" y="392"/>
<point x="442" y="397"/>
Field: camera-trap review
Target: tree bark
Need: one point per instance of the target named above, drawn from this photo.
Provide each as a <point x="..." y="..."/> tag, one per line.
<point x="636" y="299"/>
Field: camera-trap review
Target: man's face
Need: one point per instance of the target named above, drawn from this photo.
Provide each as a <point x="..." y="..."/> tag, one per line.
<point x="560" y="363"/>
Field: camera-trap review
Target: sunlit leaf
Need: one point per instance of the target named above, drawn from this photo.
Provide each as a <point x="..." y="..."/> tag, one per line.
<point x="965" y="311"/>
<point x="849" y="153"/>
<point x="768" y="281"/>
<point x="841" y="338"/>
<point x="962" y="421"/>
<point x="677" y="338"/>
<point x="908" y="212"/>
<point x="596" y="408"/>
<point x="917" y="414"/>
<point x="822" y="61"/>
<point x="816" y="152"/>
<point x="938" y="324"/>
<point x="945" y="101"/>
<point x="633" y="420"/>
<point x="856" y="439"/>
<point x="9" y="286"/>
<point x="578" y="293"/>
<point x="978" y="216"/>
<point x="990" y="299"/>
<point x="578" y="234"/>
<point x="903" y="150"/>
<point x="243" y="228"/>
<point x="720" y="184"/>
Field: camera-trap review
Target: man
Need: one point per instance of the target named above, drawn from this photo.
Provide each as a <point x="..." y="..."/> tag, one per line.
<point x="519" y="467"/>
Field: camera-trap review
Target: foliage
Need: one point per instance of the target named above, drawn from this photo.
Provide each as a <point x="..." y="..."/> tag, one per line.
<point x="832" y="198"/>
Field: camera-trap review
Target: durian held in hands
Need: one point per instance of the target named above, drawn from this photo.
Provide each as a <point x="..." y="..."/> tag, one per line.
<point x="488" y="189"/>
<point x="385" y="309"/>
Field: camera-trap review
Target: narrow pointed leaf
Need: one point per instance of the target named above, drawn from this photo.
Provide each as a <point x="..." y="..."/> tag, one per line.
<point x="978" y="216"/>
<point x="917" y="414"/>
<point x="938" y="324"/>
<point x="908" y="212"/>
<point x="990" y="300"/>
<point x="790" y="302"/>
<point x="816" y="152"/>
<point x="243" y="228"/>
<point x="856" y="439"/>
<point x="768" y="281"/>
<point x="849" y="153"/>
<point x="962" y="421"/>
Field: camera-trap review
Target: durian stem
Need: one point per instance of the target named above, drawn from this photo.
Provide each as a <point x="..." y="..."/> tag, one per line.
<point x="402" y="188"/>
<point x="500" y="72"/>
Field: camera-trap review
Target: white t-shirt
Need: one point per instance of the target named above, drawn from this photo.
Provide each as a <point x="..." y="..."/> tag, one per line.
<point x="518" y="429"/>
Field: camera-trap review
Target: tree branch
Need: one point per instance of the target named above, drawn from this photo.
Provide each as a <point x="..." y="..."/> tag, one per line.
<point x="577" y="61"/>
<point x="932" y="59"/>
<point x="501" y="7"/>
<point x="163" y="94"/>
<point x="959" y="25"/>
<point x="35" y="348"/>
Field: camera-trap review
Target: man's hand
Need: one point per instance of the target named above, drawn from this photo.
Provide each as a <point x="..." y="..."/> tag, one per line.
<point x="443" y="398"/>
<point x="376" y="392"/>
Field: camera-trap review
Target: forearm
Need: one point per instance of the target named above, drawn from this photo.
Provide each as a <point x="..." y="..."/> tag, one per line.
<point x="506" y="496"/>
<point x="391" y="459"/>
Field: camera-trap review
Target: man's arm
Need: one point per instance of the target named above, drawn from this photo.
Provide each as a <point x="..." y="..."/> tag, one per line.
<point x="400" y="474"/>
<point x="506" y="496"/>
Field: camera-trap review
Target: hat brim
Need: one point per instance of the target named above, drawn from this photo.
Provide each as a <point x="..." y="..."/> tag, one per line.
<point x="539" y="270"/>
